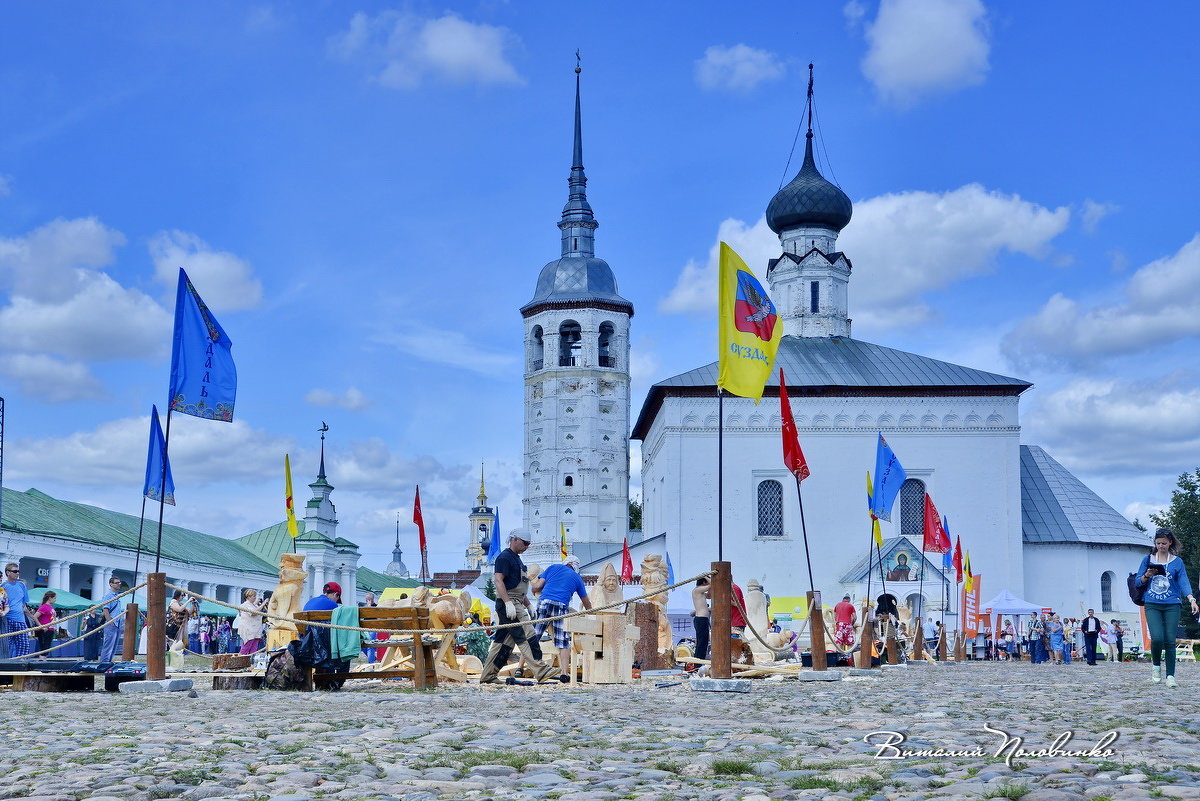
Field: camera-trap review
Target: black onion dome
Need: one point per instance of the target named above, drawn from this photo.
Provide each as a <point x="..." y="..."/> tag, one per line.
<point x="809" y="200"/>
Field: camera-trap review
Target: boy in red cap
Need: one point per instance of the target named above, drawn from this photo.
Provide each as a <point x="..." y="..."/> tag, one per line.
<point x="330" y="598"/>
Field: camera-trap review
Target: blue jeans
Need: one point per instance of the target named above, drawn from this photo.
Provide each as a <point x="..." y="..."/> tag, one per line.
<point x="1163" y="620"/>
<point x="114" y="637"/>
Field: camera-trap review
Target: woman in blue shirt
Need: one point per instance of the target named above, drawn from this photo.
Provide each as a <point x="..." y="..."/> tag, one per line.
<point x="1165" y="591"/>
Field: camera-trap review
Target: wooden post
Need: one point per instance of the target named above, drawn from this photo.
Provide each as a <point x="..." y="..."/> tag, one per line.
<point x="918" y="635"/>
<point x="722" y="605"/>
<point x="156" y="620"/>
<point x="129" y="646"/>
<point x="816" y="628"/>
<point x="866" y="639"/>
<point x="941" y="645"/>
<point x="893" y="655"/>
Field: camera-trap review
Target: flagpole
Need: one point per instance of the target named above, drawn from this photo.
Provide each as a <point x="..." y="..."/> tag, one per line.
<point x="137" y="559"/>
<point x="721" y="473"/>
<point x="162" y="493"/>
<point x="804" y="531"/>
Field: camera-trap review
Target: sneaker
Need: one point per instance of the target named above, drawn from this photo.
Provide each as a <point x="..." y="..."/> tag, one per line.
<point x="1171" y="682"/>
<point x="1156" y="674"/>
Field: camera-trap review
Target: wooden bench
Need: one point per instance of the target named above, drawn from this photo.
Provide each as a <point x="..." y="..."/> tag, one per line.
<point x="423" y="671"/>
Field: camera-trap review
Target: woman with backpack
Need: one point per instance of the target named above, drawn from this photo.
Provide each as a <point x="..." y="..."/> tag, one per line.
<point x="1164" y="580"/>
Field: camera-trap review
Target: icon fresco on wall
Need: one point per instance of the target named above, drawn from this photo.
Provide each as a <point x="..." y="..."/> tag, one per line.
<point x="903" y="565"/>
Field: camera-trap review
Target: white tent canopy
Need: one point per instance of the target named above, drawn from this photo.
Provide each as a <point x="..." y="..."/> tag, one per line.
<point x="1008" y="604"/>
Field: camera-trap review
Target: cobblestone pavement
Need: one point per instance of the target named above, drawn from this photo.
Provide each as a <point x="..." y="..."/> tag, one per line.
<point x="784" y="740"/>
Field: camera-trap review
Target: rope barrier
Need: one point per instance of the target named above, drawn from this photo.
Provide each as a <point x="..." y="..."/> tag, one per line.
<point x="778" y="652"/>
<point x="32" y="629"/>
<point x="461" y="630"/>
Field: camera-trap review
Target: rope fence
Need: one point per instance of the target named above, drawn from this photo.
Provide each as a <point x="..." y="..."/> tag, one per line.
<point x="84" y="636"/>
<point x="462" y="629"/>
<point x="33" y="629"/>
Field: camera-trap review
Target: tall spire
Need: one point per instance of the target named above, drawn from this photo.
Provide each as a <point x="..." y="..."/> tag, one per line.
<point x="321" y="472"/>
<point x="482" y="497"/>
<point x="578" y="223"/>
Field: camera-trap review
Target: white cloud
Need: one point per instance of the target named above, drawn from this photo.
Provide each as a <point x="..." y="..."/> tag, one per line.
<point x="923" y="47"/>
<point x="371" y="466"/>
<point x="45" y="264"/>
<point x="352" y="399"/>
<point x="102" y="321"/>
<point x="50" y="379"/>
<point x="1113" y="427"/>
<point x="202" y="452"/>
<point x="1093" y="212"/>
<point x="404" y="50"/>
<point x="225" y="281"/>
<point x="902" y="245"/>
<point x="451" y="348"/>
<point x="737" y="68"/>
<point x="1141" y="511"/>
<point x="854" y="11"/>
<point x="6" y="182"/>
<point x="1161" y="305"/>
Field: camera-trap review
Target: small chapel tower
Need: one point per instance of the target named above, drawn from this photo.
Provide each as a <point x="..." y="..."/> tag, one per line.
<point x="479" y="524"/>
<point x="809" y="281"/>
<point x="576" y="387"/>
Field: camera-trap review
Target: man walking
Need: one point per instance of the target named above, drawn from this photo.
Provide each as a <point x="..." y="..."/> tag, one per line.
<point x="114" y="634"/>
<point x="1091" y="631"/>
<point x="557" y="585"/>
<point x="512" y="606"/>
<point x="18" y="596"/>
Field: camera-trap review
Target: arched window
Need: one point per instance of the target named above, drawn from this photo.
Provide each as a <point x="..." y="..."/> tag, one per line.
<point x="912" y="508"/>
<point x="1106" y="582"/>
<point x="568" y="481"/>
<point x="570" y="344"/>
<point x="605" y="342"/>
<point x="537" y="349"/>
<point x="770" y="509"/>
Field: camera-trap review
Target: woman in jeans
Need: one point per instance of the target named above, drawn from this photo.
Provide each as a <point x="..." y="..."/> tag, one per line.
<point x="46" y="616"/>
<point x="1165" y="591"/>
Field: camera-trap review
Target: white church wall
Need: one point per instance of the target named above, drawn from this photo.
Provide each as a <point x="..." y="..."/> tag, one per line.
<point x="970" y="468"/>
<point x="1066" y="577"/>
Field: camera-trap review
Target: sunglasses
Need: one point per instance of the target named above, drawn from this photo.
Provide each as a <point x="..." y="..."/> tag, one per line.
<point x="16" y="572"/>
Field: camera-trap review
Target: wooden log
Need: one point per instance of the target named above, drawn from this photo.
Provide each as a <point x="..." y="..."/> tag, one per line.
<point x="129" y="645"/>
<point x="866" y="643"/>
<point x="231" y="661"/>
<point x="156" y="621"/>
<point x="237" y="682"/>
<point x="817" y="631"/>
<point x="54" y="683"/>
<point x="918" y="648"/>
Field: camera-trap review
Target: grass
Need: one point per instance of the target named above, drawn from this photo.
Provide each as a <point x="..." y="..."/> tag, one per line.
<point x="1009" y="790"/>
<point x="669" y="767"/>
<point x="191" y="775"/>
<point x="730" y="767"/>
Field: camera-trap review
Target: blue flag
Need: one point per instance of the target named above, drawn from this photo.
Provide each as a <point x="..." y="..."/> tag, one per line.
<point x="947" y="557"/>
<point x="156" y="456"/>
<point x="494" y="547"/>
<point x="203" y="376"/>
<point x="670" y="570"/>
<point x="889" y="476"/>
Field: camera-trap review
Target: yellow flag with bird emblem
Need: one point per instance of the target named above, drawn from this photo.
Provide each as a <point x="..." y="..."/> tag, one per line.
<point x="749" y="327"/>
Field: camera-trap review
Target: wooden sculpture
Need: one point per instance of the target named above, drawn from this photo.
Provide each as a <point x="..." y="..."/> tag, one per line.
<point x="654" y="578"/>
<point x="287" y="600"/>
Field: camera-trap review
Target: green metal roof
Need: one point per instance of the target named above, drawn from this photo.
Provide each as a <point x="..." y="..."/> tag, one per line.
<point x="373" y="581"/>
<point x="269" y="542"/>
<point x="35" y="512"/>
<point x="342" y="542"/>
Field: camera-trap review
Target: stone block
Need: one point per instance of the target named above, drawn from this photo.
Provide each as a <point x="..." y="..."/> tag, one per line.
<point x="709" y="685"/>
<point x="864" y="672"/>
<point x="819" y="675"/>
<point x="164" y="686"/>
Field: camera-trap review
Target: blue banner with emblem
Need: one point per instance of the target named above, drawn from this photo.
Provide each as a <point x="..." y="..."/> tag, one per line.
<point x="203" y="375"/>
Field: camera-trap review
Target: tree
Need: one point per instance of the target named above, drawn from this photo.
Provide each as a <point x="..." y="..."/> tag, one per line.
<point x="489" y="589"/>
<point x="1183" y="518"/>
<point x="635" y="514"/>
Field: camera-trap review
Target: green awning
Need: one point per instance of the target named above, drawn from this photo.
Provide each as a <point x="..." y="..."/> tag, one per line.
<point x="65" y="600"/>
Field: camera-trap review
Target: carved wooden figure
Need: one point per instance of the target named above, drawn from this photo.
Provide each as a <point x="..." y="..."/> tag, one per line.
<point x="287" y="600"/>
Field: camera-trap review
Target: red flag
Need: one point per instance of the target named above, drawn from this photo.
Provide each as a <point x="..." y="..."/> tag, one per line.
<point x="626" y="562"/>
<point x="935" y="540"/>
<point x="793" y="457"/>
<point x="418" y="519"/>
<point x="958" y="565"/>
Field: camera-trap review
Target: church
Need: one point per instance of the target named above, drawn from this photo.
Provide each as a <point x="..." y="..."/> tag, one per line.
<point x="1030" y="526"/>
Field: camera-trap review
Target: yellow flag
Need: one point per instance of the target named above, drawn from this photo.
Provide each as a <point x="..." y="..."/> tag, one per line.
<point x="562" y="528"/>
<point x="875" y="532"/>
<point x="968" y="579"/>
<point x="293" y="529"/>
<point x="749" y="328"/>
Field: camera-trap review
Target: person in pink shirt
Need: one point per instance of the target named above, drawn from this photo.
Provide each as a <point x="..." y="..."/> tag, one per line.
<point x="846" y="616"/>
<point x="45" y="618"/>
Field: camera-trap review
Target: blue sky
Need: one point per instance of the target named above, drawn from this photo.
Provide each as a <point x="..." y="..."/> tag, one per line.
<point x="365" y="193"/>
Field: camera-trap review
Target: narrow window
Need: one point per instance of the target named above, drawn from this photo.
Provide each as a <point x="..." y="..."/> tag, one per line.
<point x="770" y="509"/>
<point x="1106" y="581"/>
<point x="575" y="243"/>
<point x="568" y="482"/>
<point x="912" y="508"/>
<point x="815" y="299"/>
<point x="604" y="345"/>
<point x="570" y="344"/>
